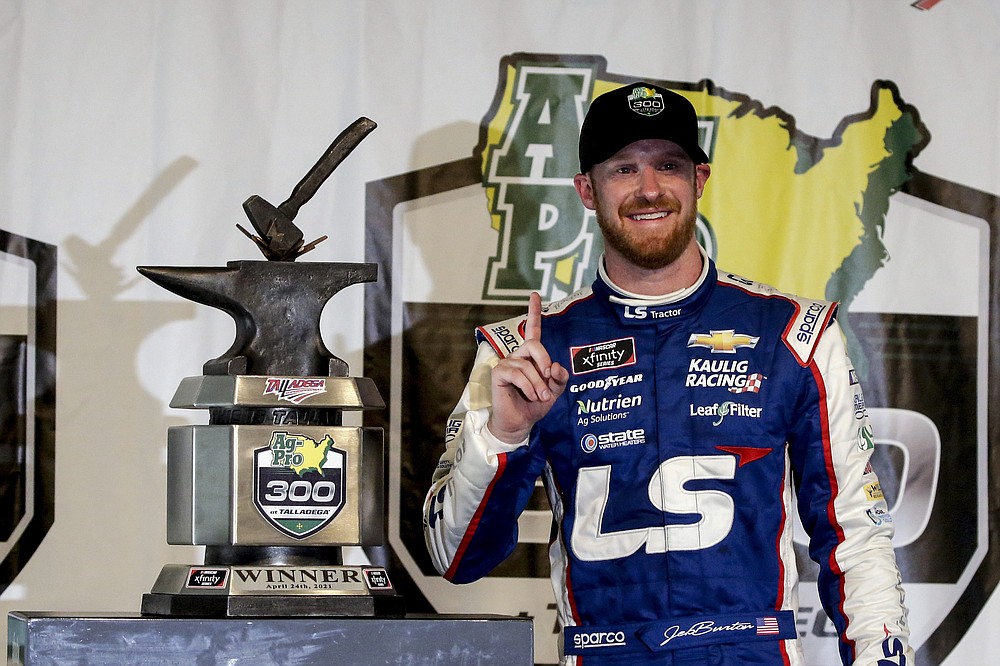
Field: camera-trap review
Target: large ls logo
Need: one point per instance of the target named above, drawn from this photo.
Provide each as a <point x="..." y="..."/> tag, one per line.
<point x="667" y="493"/>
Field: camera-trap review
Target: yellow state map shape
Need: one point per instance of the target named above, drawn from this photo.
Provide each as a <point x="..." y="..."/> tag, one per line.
<point x="313" y="455"/>
<point x="788" y="229"/>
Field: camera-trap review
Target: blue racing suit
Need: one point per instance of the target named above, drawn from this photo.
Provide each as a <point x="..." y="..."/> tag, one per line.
<point x="691" y="428"/>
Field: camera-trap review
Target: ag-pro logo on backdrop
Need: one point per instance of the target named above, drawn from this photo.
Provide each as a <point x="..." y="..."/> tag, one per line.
<point x="27" y="399"/>
<point x="821" y="217"/>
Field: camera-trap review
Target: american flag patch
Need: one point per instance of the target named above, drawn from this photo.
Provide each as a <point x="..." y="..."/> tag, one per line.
<point x="752" y="386"/>
<point x="767" y="626"/>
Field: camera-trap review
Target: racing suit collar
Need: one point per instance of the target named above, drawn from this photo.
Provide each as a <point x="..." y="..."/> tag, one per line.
<point x="633" y="309"/>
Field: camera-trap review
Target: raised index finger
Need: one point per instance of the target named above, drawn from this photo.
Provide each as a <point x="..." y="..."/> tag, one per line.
<point x="533" y="327"/>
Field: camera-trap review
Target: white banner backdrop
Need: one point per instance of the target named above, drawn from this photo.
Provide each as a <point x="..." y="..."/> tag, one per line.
<point x="131" y="133"/>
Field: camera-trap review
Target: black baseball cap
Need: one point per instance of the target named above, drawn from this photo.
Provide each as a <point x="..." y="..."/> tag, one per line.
<point x="635" y="112"/>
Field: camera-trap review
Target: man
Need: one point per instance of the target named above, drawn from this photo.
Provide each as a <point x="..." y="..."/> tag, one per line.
<point x="677" y="414"/>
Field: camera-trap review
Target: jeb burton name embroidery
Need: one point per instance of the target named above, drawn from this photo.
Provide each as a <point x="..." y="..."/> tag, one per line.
<point x="701" y="629"/>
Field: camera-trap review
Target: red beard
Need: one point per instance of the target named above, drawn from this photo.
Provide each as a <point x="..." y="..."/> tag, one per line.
<point x="647" y="249"/>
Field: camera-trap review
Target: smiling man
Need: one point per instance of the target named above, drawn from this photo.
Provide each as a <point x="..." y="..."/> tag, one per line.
<point x="678" y="415"/>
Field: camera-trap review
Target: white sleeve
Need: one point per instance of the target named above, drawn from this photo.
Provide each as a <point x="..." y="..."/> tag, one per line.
<point x="467" y="467"/>
<point x="871" y="597"/>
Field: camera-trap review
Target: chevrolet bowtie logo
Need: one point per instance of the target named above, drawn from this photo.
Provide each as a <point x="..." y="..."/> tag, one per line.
<point x="725" y="342"/>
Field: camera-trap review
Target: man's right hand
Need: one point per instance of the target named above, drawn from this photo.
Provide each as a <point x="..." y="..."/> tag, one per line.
<point x="526" y="383"/>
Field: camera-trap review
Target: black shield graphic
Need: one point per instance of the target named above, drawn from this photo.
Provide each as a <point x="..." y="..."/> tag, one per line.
<point x="27" y="399"/>
<point x="299" y="504"/>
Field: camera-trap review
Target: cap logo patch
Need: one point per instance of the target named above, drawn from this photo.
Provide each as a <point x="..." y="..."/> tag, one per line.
<point x="646" y="101"/>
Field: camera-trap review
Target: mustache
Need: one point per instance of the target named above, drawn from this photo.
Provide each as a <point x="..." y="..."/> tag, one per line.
<point x="638" y="207"/>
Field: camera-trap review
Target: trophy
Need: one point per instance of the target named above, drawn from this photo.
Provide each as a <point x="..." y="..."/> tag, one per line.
<point x="274" y="486"/>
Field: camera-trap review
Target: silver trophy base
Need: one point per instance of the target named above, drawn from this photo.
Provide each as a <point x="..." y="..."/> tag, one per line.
<point x="272" y="591"/>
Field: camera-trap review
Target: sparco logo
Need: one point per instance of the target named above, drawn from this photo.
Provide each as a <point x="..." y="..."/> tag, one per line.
<point x="603" y="355"/>
<point x="599" y="639"/>
<point x="506" y="338"/>
<point x="809" y="322"/>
